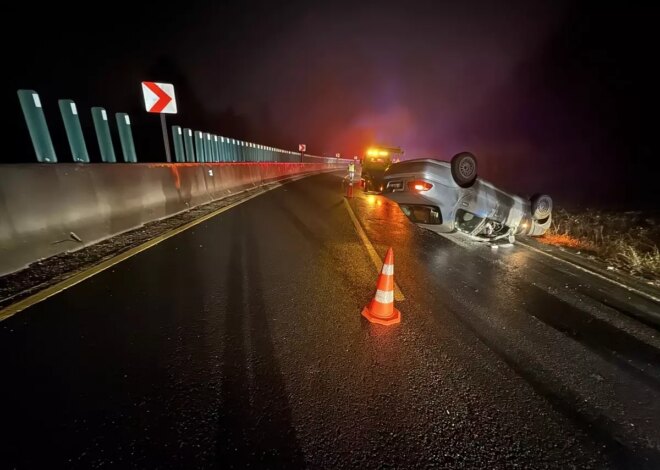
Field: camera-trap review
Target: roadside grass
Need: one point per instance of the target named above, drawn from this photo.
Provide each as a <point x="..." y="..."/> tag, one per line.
<point x="628" y="241"/>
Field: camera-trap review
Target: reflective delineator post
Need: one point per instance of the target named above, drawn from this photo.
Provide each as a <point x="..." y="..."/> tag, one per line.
<point x="207" y="148"/>
<point x="223" y="149"/>
<point x="177" y="141"/>
<point x="74" y="134"/>
<point x="188" y="145"/>
<point x="216" y="149"/>
<point x="37" y="127"/>
<point x="126" y="137"/>
<point x="103" y="137"/>
<point x="199" y="146"/>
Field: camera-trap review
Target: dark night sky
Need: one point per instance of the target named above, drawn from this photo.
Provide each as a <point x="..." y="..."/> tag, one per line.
<point x="559" y="97"/>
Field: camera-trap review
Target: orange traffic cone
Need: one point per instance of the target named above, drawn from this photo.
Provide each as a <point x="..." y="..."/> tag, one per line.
<point x="381" y="309"/>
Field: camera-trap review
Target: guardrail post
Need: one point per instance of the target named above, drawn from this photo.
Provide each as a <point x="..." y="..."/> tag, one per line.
<point x="188" y="145"/>
<point x="126" y="137"/>
<point x="102" y="128"/>
<point x="177" y="142"/>
<point x="37" y="127"/>
<point x="73" y="130"/>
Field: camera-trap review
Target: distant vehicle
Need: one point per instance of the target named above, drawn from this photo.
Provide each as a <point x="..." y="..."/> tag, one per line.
<point x="376" y="161"/>
<point x="446" y="197"/>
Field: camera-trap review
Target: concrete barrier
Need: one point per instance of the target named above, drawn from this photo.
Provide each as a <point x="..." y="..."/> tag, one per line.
<point x="41" y="204"/>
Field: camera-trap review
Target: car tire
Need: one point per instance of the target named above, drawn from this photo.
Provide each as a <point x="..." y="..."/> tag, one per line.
<point x="464" y="169"/>
<point x="541" y="206"/>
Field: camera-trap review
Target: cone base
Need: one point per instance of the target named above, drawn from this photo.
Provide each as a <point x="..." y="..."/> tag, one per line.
<point x="393" y="320"/>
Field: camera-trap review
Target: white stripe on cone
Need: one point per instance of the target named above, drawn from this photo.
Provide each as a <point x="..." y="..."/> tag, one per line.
<point x="384" y="297"/>
<point x="388" y="269"/>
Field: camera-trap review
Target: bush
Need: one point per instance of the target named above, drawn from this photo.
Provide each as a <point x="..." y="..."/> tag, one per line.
<point x="626" y="240"/>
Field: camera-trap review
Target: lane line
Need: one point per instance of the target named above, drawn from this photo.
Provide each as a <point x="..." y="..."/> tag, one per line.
<point x="50" y="291"/>
<point x="378" y="262"/>
<point x="593" y="273"/>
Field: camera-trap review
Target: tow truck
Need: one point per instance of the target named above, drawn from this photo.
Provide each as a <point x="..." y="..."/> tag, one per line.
<point x="377" y="159"/>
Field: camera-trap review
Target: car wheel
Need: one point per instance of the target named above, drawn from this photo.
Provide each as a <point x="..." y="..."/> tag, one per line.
<point x="541" y="206"/>
<point x="464" y="169"/>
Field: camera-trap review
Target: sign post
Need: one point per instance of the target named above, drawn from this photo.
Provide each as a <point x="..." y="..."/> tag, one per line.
<point x="159" y="98"/>
<point x="166" y="140"/>
<point x="302" y="148"/>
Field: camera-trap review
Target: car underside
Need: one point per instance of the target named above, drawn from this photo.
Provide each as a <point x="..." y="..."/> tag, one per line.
<point x="448" y="197"/>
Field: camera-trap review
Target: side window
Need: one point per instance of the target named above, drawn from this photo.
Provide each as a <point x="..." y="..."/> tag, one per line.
<point x="467" y="221"/>
<point x="422" y="214"/>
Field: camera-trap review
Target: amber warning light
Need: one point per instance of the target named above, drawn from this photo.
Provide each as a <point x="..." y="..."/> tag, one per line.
<point x="419" y="186"/>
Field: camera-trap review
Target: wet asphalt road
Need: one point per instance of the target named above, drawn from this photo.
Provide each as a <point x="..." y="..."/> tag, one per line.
<point x="239" y="344"/>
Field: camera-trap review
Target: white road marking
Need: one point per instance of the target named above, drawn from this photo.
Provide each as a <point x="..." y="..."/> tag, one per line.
<point x="398" y="295"/>
<point x="593" y="273"/>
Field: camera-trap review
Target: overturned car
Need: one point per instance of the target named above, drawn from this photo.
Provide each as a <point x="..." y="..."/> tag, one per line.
<point x="447" y="196"/>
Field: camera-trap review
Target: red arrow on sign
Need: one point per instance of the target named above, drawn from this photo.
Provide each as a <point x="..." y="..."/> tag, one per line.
<point x="163" y="98"/>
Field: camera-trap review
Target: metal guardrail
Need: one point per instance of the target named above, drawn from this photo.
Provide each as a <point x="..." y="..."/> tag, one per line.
<point x="192" y="146"/>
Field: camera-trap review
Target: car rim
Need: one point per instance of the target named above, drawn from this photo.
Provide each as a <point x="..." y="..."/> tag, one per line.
<point x="466" y="168"/>
<point x="543" y="206"/>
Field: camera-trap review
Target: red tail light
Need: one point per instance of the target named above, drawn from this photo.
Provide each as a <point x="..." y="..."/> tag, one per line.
<point x="419" y="185"/>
